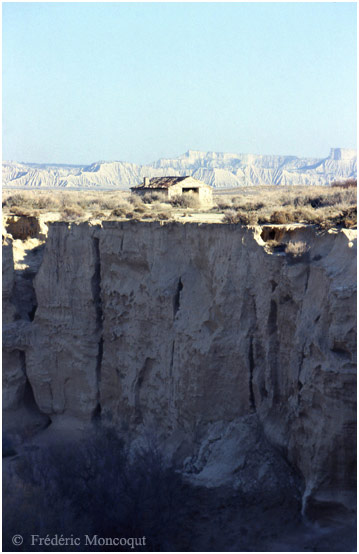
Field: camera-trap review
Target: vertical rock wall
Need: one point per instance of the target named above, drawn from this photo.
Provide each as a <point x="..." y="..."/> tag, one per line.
<point x="186" y="331"/>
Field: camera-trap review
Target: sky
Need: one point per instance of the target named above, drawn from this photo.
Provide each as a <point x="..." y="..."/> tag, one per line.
<point x="84" y="82"/>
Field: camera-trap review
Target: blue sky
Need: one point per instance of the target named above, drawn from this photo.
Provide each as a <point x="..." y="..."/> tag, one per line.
<point x="138" y="81"/>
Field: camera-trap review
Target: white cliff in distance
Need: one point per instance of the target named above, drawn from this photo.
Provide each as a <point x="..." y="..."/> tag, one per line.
<point x="220" y="170"/>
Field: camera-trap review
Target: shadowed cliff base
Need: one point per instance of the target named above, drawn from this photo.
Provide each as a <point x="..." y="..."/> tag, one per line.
<point x="102" y="486"/>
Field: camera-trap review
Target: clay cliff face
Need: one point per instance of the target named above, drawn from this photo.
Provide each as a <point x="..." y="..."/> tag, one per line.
<point x="202" y="336"/>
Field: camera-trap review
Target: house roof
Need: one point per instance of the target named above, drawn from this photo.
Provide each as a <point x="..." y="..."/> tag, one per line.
<point x="167" y="182"/>
<point x="162" y="182"/>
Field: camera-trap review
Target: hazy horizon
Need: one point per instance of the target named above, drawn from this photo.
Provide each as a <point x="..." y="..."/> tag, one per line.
<point x="40" y="163"/>
<point x="84" y="82"/>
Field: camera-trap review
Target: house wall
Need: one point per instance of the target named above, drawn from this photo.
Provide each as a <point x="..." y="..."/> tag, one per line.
<point x="175" y="190"/>
<point x="204" y="192"/>
<point x="206" y="196"/>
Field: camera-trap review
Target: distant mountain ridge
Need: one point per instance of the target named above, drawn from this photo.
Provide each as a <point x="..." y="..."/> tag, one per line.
<point x="220" y="170"/>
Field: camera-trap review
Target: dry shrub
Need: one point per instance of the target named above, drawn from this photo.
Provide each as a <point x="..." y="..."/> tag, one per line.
<point x="72" y="212"/>
<point x="46" y="202"/>
<point x="119" y="212"/>
<point x="16" y="199"/>
<point x="247" y="218"/>
<point x="346" y="218"/>
<point x="94" y="205"/>
<point x="105" y="203"/>
<point x="230" y="217"/>
<point x="27" y="212"/>
<point x="329" y="198"/>
<point x="98" y="215"/>
<point x="224" y="205"/>
<point x="237" y="203"/>
<point x="135" y="201"/>
<point x="158" y="206"/>
<point x="241" y="217"/>
<point x="308" y="215"/>
<point x="297" y="252"/>
<point x="290" y="215"/>
<point x="349" y="217"/>
<point x="253" y="206"/>
<point x="280" y="217"/>
<point x="58" y="200"/>
<point x="32" y="200"/>
<point x="140" y="209"/>
<point x="305" y="205"/>
<point x="184" y="201"/>
<point x="163" y="215"/>
<point x="348" y="183"/>
<point x="156" y="196"/>
<point x="296" y="248"/>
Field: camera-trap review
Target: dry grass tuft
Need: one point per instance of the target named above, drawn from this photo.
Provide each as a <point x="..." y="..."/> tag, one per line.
<point x="135" y="201"/>
<point x="27" y="212"/>
<point x="184" y="201"/>
<point x="296" y="248"/>
<point x="98" y="215"/>
<point x="119" y="212"/>
<point x="56" y="200"/>
<point x="348" y="183"/>
<point x="280" y="216"/>
<point x="156" y="196"/>
<point x="163" y="215"/>
<point x="240" y="217"/>
<point x="141" y="209"/>
<point x="72" y="212"/>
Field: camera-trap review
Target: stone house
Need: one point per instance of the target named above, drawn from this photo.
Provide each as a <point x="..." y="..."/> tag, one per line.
<point x="176" y="186"/>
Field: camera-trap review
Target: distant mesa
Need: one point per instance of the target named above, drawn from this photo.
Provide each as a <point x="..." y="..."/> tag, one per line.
<point x="219" y="170"/>
<point x="343" y="154"/>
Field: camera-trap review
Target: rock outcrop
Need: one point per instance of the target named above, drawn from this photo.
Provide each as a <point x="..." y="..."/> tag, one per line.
<point x="22" y="417"/>
<point x="14" y="378"/>
<point x="203" y="337"/>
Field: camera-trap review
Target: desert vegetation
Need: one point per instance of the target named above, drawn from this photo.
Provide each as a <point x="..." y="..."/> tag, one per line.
<point x="329" y="206"/>
<point x="322" y="206"/>
<point x="348" y="183"/>
<point x="62" y="201"/>
<point x="296" y="250"/>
